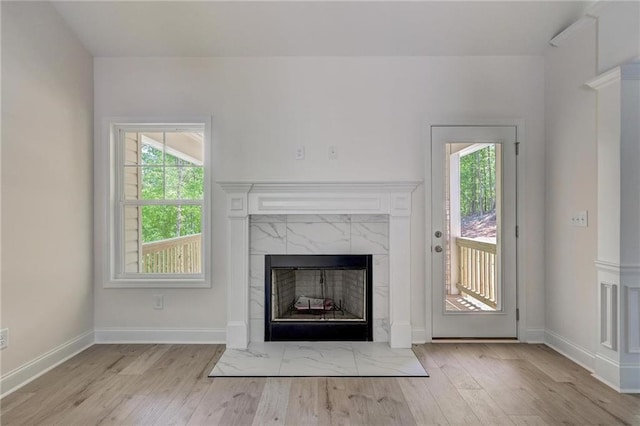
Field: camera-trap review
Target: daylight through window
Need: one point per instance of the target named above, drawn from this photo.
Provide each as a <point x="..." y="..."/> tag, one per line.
<point x="160" y="200"/>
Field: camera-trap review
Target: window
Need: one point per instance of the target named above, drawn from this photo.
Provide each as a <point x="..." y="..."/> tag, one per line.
<point x="159" y="205"/>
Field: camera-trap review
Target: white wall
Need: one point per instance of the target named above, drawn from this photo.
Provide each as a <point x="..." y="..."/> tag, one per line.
<point x="571" y="182"/>
<point x="47" y="109"/>
<point x="571" y="173"/>
<point x="618" y="34"/>
<point x="376" y="111"/>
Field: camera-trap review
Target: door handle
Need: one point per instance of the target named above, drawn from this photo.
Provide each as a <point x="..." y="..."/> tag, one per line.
<point x="438" y="249"/>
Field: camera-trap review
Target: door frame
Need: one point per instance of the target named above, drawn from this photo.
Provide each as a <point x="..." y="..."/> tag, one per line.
<point x="521" y="305"/>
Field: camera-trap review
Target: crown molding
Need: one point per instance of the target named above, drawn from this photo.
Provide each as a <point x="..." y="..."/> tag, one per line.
<point x="568" y="32"/>
<point x="605" y="79"/>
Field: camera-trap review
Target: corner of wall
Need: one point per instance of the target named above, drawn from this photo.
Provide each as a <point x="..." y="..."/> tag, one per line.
<point x="35" y="368"/>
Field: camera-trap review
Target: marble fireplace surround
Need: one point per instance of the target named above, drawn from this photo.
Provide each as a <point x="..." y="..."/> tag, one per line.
<point x="293" y="198"/>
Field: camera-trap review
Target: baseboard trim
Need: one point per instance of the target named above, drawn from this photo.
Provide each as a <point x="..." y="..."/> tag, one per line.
<point x="156" y="335"/>
<point x="571" y="350"/>
<point x="35" y="368"/>
<point x="418" y="335"/>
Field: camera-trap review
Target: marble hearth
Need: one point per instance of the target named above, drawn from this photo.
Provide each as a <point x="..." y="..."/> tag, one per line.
<point x="319" y="218"/>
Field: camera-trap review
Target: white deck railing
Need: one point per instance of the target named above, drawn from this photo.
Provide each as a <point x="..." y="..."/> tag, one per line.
<point x="478" y="270"/>
<point x="173" y="256"/>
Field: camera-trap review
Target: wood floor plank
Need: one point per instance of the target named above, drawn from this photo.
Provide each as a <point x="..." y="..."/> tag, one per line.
<point x="527" y="420"/>
<point x="453" y="406"/>
<point x="423" y="406"/>
<point x="229" y="401"/>
<point x="484" y="407"/>
<point x="146" y="360"/>
<point x="12" y="401"/>
<point x="273" y="403"/>
<point x="308" y="402"/>
<point x="389" y="407"/>
<point x="168" y="385"/>
<point x="346" y="401"/>
<point x="127" y="405"/>
<point x="66" y="392"/>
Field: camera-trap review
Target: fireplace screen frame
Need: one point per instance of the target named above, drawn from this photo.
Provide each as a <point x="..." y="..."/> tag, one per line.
<point x="322" y="329"/>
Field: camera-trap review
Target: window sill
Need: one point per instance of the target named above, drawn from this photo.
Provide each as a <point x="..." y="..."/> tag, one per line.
<point x="157" y="283"/>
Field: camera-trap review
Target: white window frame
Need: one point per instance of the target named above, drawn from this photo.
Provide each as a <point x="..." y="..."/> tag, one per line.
<point x="108" y="175"/>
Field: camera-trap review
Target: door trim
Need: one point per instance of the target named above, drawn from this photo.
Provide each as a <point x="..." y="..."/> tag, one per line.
<point x="521" y="305"/>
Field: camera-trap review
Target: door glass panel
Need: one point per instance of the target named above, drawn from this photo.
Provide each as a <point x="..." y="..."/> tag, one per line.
<point x="472" y="227"/>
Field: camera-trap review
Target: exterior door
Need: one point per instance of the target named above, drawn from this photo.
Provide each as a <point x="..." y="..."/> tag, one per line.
<point x="473" y="239"/>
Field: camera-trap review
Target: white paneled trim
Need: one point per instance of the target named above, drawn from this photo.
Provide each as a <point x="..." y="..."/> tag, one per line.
<point x="316" y="203"/>
<point x="160" y="335"/>
<point x="607" y="371"/>
<point x="419" y="335"/>
<point x="237" y="205"/>
<point x="608" y="315"/>
<point x="621" y="377"/>
<point x="630" y="378"/>
<point x="631" y="71"/>
<point x="633" y="320"/>
<point x="325" y="198"/>
<point x="329" y="187"/>
<point x="35" y="368"/>
<point x="571" y="350"/>
<point x="605" y="79"/>
<point x="630" y="269"/>
<point x="533" y="335"/>
<point x="605" y="266"/>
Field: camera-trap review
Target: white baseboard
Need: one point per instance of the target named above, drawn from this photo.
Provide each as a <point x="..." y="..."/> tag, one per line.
<point x="418" y="335"/>
<point x="571" y="350"/>
<point x="624" y="378"/>
<point x="533" y="335"/>
<point x="35" y="368"/>
<point x="155" y="335"/>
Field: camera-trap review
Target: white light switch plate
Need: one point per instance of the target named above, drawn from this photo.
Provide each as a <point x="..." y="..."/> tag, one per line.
<point x="580" y="219"/>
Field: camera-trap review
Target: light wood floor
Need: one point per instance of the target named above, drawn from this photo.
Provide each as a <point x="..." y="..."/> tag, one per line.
<point x="469" y="384"/>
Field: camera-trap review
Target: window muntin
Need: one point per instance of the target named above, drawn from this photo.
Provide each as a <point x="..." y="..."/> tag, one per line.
<point x="160" y="206"/>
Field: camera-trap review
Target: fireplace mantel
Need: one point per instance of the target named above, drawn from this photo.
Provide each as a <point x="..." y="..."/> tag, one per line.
<point x="281" y="198"/>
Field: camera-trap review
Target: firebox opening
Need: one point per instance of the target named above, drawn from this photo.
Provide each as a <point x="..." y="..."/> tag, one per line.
<point x="318" y="294"/>
<point x="318" y="297"/>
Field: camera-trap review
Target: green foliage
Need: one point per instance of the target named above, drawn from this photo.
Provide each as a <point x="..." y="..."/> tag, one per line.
<point x="478" y="182"/>
<point x="169" y="178"/>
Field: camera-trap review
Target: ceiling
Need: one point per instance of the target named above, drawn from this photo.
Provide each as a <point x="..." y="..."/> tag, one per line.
<point x="317" y="28"/>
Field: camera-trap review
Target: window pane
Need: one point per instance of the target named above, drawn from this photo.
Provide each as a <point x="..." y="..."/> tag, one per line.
<point x="171" y="239"/>
<point x="184" y="183"/>
<point x="152" y="148"/>
<point x="152" y="183"/>
<point x="184" y="148"/>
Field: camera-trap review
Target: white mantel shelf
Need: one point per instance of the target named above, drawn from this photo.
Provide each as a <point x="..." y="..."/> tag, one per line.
<point x="257" y="198"/>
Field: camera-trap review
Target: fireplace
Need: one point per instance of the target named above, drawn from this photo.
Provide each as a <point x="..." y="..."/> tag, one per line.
<point x="283" y="201"/>
<point x="318" y="298"/>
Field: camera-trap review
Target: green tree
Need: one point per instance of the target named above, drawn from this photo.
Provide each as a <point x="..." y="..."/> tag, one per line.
<point x="478" y="182"/>
<point x="167" y="177"/>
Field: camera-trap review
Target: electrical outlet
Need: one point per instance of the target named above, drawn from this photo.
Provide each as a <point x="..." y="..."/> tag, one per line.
<point x="4" y="338"/>
<point x="300" y="152"/>
<point x="158" y="301"/>
<point x="580" y="219"/>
